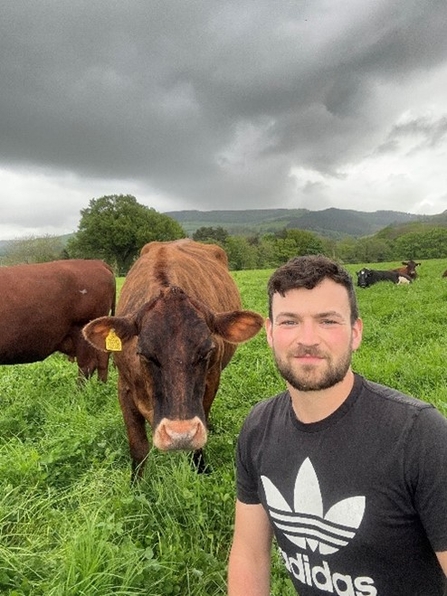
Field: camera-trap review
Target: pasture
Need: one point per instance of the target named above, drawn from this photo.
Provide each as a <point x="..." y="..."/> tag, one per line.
<point x="70" y="522"/>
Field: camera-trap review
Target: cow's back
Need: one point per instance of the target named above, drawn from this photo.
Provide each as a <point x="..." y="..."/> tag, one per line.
<point x="91" y="285"/>
<point x="56" y="287"/>
<point x="201" y="270"/>
<point x="42" y="302"/>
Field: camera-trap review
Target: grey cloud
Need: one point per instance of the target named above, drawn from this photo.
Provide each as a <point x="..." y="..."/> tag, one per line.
<point x="156" y="92"/>
<point x="426" y="132"/>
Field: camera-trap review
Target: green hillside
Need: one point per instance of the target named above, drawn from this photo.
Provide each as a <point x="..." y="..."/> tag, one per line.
<point x="332" y="223"/>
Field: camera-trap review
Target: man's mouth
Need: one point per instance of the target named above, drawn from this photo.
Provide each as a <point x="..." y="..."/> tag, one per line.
<point x="309" y="354"/>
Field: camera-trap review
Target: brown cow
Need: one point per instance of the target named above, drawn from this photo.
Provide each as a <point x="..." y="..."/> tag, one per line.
<point x="178" y="323"/>
<point x="44" y="307"/>
<point x="409" y="269"/>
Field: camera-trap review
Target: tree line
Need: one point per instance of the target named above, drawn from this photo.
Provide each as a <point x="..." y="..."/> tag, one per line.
<point x="115" y="228"/>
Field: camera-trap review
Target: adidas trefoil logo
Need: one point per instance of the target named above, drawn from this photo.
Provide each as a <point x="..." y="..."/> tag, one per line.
<point x="306" y="525"/>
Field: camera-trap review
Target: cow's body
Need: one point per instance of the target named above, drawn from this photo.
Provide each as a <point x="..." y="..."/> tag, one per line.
<point x="409" y="269"/>
<point x="178" y="321"/>
<point x="44" y="307"/>
<point x="367" y="277"/>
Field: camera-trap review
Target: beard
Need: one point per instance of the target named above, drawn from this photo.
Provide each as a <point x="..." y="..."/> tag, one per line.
<point x="311" y="378"/>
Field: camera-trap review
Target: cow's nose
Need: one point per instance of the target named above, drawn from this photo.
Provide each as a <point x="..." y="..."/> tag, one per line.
<point x="180" y="434"/>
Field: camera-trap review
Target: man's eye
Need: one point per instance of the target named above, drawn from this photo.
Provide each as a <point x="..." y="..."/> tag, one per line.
<point x="329" y="322"/>
<point x="287" y="323"/>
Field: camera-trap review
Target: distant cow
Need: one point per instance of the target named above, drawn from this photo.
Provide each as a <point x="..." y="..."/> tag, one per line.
<point x="409" y="269"/>
<point x="368" y="277"/>
<point x="178" y="323"/>
<point x="44" y="307"/>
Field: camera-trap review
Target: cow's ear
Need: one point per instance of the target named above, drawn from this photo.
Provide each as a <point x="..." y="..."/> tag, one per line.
<point x="107" y="333"/>
<point x="237" y="326"/>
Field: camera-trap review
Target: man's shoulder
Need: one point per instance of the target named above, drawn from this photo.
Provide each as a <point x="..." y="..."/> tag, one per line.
<point x="268" y="408"/>
<point x="394" y="397"/>
<point x="271" y="403"/>
<point x="398" y="408"/>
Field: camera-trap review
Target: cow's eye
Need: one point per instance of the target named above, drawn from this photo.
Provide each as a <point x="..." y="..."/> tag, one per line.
<point x="205" y="356"/>
<point x="154" y="360"/>
<point x="150" y="359"/>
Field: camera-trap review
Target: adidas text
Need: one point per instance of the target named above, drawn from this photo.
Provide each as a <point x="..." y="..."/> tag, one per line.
<point x="321" y="577"/>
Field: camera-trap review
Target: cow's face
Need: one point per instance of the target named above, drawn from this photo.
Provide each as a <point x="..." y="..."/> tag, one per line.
<point x="411" y="268"/>
<point x="363" y="277"/>
<point x="87" y="357"/>
<point x="176" y="351"/>
<point x="91" y="360"/>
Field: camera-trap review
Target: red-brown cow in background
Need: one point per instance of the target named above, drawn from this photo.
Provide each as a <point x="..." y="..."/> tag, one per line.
<point x="44" y="307"/>
<point x="409" y="269"/>
<point x="178" y="323"/>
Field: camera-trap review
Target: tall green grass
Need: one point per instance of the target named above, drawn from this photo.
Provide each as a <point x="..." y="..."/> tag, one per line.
<point x="70" y="522"/>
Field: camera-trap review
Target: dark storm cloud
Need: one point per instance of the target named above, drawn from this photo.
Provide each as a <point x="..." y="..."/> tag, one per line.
<point x="209" y="102"/>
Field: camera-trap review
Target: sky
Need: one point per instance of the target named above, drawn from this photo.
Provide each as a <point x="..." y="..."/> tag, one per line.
<point x="212" y="104"/>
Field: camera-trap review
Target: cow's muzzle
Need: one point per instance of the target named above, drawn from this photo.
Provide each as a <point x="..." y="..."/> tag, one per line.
<point x="172" y="435"/>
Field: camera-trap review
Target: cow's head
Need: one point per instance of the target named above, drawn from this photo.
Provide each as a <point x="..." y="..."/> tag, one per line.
<point x="177" y="345"/>
<point x="411" y="268"/>
<point x="81" y="351"/>
<point x="363" y="277"/>
<point x="90" y="360"/>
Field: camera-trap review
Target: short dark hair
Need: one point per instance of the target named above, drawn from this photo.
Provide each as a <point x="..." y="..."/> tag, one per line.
<point x="307" y="272"/>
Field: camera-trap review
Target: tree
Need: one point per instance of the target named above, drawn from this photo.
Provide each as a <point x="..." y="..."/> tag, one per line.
<point x="429" y="244"/>
<point x="346" y="250"/>
<point x="266" y="246"/>
<point x="116" y="227"/>
<point x="307" y="243"/>
<point x="294" y="242"/>
<point x="371" y="249"/>
<point x="33" y="249"/>
<point x="204" y="234"/>
<point x="241" y="255"/>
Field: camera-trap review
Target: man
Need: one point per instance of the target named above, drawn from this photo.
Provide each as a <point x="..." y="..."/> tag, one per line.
<point x="348" y="475"/>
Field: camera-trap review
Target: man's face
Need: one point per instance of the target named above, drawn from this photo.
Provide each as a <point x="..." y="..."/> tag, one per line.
<point x="312" y="337"/>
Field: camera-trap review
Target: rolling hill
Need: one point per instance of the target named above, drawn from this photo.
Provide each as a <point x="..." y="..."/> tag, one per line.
<point x="332" y="223"/>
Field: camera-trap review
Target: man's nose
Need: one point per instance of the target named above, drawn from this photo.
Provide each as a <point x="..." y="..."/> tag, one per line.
<point x="308" y="333"/>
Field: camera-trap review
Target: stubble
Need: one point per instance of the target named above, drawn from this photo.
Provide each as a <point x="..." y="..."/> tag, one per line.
<point x="310" y="377"/>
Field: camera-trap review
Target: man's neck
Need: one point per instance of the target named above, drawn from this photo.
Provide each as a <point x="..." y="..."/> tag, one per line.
<point x="313" y="406"/>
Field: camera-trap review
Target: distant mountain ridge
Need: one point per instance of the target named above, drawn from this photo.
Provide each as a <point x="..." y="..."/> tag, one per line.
<point x="333" y="223"/>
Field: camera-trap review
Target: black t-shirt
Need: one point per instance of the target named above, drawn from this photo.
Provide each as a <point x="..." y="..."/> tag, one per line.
<point x="357" y="501"/>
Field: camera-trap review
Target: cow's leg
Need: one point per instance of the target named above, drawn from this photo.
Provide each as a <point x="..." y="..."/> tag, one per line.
<point x="103" y="366"/>
<point x="199" y="463"/>
<point x="136" y="432"/>
<point x="83" y="377"/>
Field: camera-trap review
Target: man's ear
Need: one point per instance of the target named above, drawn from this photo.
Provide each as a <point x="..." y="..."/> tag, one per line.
<point x="357" y="332"/>
<point x="268" y="330"/>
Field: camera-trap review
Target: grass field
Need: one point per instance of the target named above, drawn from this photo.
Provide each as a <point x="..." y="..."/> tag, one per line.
<point x="71" y="524"/>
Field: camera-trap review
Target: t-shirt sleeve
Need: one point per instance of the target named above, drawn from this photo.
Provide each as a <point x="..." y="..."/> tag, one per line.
<point x="428" y="471"/>
<point x="246" y="483"/>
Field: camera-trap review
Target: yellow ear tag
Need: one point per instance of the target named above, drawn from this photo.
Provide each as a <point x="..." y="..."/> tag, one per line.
<point x="113" y="342"/>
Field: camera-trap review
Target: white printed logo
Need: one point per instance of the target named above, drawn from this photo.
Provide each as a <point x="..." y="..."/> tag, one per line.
<point x="306" y="525"/>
